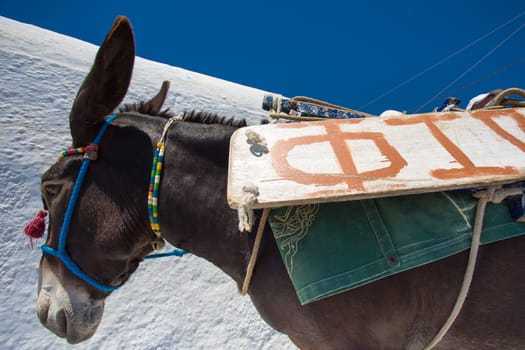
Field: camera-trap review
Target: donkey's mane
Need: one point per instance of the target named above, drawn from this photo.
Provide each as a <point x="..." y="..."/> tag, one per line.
<point x="145" y="108"/>
<point x="212" y="118"/>
<point x="193" y="116"/>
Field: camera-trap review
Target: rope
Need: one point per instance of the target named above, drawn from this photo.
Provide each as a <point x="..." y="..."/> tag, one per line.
<point x="500" y="101"/>
<point x="258" y="143"/>
<point x="254" y="138"/>
<point x="174" y="252"/>
<point x="255" y="251"/>
<point x="491" y="194"/>
<point x="246" y="216"/>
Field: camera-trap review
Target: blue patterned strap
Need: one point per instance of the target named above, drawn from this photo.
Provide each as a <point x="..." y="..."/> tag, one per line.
<point x="306" y="107"/>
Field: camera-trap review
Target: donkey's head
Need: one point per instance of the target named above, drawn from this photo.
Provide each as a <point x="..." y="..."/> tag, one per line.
<point x="108" y="235"/>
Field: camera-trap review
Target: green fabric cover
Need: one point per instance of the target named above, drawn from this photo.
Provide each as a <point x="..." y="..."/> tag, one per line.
<point x="330" y="248"/>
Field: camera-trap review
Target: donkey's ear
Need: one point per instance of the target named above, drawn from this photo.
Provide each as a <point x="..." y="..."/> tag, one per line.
<point x="154" y="106"/>
<point x="106" y="84"/>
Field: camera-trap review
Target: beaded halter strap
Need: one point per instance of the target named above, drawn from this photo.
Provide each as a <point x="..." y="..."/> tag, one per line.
<point x="153" y="194"/>
<point x="156" y="171"/>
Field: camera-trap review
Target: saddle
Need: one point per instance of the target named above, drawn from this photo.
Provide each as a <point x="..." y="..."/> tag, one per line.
<point x="355" y="198"/>
<point x="334" y="247"/>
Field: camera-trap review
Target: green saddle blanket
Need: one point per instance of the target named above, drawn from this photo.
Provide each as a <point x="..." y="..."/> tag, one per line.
<point x="331" y="248"/>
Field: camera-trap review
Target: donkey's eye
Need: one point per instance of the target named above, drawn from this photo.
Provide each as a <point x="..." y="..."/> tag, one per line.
<point x="51" y="191"/>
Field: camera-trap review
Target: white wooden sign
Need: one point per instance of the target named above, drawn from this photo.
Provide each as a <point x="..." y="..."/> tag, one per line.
<point x="336" y="160"/>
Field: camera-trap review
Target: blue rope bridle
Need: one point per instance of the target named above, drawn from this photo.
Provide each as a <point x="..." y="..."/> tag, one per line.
<point x="61" y="253"/>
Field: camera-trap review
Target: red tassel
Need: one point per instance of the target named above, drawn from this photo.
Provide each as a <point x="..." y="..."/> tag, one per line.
<point x="36" y="228"/>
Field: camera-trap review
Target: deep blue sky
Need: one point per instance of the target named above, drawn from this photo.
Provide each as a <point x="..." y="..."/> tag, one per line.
<point x="345" y="52"/>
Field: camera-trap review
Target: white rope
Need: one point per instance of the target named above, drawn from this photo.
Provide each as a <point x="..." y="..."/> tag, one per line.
<point x="500" y="194"/>
<point x="167" y="126"/>
<point x="245" y="211"/>
<point x="250" y="191"/>
<point x="491" y="194"/>
<point x="254" y="138"/>
<point x="276" y="111"/>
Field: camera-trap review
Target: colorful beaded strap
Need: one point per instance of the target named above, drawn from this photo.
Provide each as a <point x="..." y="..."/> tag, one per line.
<point x="156" y="171"/>
<point x="80" y="150"/>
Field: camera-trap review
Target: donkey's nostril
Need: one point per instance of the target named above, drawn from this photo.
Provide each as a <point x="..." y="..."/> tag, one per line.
<point x="57" y="323"/>
<point x="52" y="319"/>
<point x="61" y="322"/>
<point x="43" y="305"/>
<point x="42" y="313"/>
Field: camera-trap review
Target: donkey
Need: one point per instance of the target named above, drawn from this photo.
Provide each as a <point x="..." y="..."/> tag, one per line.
<point x="109" y="234"/>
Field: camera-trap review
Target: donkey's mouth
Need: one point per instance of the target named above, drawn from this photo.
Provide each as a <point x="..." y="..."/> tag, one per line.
<point x="67" y="310"/>
<point x="75" y="323"/>
<point x="55" y="322"/>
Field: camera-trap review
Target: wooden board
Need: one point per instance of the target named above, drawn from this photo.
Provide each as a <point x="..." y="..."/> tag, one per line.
<point x="337" y="160"/>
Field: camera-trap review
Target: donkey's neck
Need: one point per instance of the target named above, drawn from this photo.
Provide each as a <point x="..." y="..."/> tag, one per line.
<point x="193" y="209"/>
